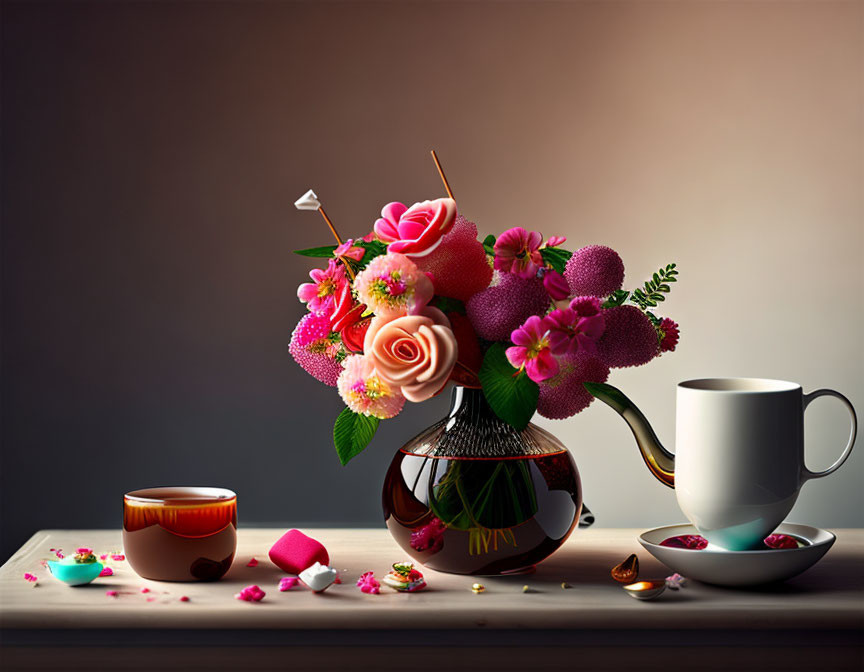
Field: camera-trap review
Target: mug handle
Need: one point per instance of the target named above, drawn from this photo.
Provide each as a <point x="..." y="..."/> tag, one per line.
<point x="848" y="449"/>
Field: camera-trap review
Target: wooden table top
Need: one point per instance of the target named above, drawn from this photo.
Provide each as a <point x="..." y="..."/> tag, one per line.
<point x="829" y="595"/>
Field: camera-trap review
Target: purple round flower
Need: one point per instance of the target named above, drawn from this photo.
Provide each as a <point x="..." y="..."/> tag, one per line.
<point x="629" y="339"/>
<point x="563" y="395"/>
<point x="499" y="309"/>
<point x="595" y="270"/>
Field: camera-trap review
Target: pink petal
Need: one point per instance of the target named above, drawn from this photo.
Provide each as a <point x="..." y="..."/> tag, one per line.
<point x="252" y="563"/>
<point x="517" y="356"/>
<point x="542" y="367"/>
<point x="694" y="542"/>
<point x="118" y="557"/>
<point x="183" y="598"/>
<point x="106" y="571"/>
<point x="393" y="212"/>
<point x="111" y="593"/>
<point x="145" y="590"/>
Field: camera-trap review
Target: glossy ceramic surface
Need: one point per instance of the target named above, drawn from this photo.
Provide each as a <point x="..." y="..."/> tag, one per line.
<point x="739" y="568"/>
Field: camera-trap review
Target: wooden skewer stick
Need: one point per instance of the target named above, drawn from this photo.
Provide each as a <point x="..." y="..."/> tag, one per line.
<point x="441" y="173"/>
<point x="338" y="239"/>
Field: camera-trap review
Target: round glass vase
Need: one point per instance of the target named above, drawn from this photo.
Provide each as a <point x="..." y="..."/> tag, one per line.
<point x="473" y="495"/>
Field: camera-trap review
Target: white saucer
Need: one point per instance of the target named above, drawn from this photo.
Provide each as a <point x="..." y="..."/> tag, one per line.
<point x="739" y="568"/>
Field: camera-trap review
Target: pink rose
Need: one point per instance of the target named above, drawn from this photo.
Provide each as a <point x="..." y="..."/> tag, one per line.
<point x="417" y="230"/>
<point x="414" y="352"/>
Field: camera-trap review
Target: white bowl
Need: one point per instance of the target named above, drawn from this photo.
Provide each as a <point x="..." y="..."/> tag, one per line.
<point x="739" y="568"/>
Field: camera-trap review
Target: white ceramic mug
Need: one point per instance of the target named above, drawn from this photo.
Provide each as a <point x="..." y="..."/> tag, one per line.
<point x="739" y="458"/>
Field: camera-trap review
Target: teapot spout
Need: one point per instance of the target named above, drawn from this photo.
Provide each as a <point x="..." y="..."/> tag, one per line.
<point x="659" y="461"/>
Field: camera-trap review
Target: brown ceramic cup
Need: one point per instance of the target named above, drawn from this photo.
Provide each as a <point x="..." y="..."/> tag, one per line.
<point x="180" y="533"/>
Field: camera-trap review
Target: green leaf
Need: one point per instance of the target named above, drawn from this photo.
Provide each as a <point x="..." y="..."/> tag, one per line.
<point x="323" y="251"/>
<point x="489" y="245"/>
<point x="556" y="257"/>
<point x="617" y="298"/>
<point x="512" y="396"/>
<point x="374" y="248"/>
<point x="447" y="305"/>
<point x="352" y="433"/>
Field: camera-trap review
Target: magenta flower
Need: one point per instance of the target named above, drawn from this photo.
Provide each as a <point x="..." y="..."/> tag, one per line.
<point x="535" y="342"/>
<point x="668" y="335"/>
<point x="347" y="249"/>
<point x="555" y="284"/>
<point x="518" y="251"/>
<point x="319" y="294"/>
<point x="367" y="583"/>
<point x="416" y="231"/>
<point x="555" y="241"/>
<point x="582" y="325"/>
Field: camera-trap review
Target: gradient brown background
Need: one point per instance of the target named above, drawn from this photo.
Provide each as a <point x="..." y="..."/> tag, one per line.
<point x="151" y="153"/>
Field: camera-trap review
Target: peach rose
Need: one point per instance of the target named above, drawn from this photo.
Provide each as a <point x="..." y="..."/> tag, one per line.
<point x="414" y="352"/>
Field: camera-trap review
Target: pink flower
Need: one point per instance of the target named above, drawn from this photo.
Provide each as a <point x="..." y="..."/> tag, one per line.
<point x="555" y="284"/>
<point x="414" y="352"/>
<point x="535" y="342"/>
<point x="106" y="571"/>
<point x="103" y="556"/>
<point x="518" y="252"/>
<point x="317" y="349"/>
<point x="417" y="230"/>
<point x="430" y="537"/>
<point x="319" y="294"/>
<point x="250" y="594"/>
<point x="668" y="335"/>
<point x="392" y="285"/>
<point x="555" y="241"/>
<point x="347" y="249"/>
<point x="367" y="583"/>
<point x="287" y="583"/>
<point x="582" y="324"/>
<point x="364" y="391"/>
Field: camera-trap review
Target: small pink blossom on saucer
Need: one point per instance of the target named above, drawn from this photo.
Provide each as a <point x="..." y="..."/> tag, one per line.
<point x="780" y="541"/>
<point x="106" y="571"/>
<point x="287" y="583"/>
<point x="693" y="542"/>
<point x="250" y="594"/>
<point x="252" y="563"/>
<point x="111" y="593"/>
<point x="367" y="583"/>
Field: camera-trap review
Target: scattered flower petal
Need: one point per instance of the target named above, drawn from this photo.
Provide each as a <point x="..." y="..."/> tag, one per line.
<point x="252" y="563"/>
<point x="184" y="598"/>
<point x="781" y="541"/>
<point x="111" y="593"/>
<point x="118" y="557"/>
<point x="367" y="583"/>
<point x="250" y="594"/>
<point x="676" y="581"/>
<point x="106" y="571"/>
<point x="145" y="590"/>
<point x="287" y="583"/>
<point x="693" y="542"/>
<point x="32" y="578"/>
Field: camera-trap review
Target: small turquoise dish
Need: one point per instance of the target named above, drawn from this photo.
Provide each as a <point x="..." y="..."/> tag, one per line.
<point x="75" y="575"/>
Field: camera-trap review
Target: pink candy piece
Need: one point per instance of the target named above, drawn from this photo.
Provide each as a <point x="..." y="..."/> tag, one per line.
<point x="111" y="593"/>
<point x="294" y="552"/>
<point x="693" y="542"/>
<point x="118" y="557"/>
<point x="252" y="563"/>
<point x="780" y="541"/>
<point x="367" y="583"/>
<point x="250" y="594"/>
<point x="106" y="571"/>
<point x="186" y="599"/>
<point x="287" y="583"/>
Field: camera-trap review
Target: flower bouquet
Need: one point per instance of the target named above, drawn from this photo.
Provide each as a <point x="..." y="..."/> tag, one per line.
<point x="517" y="324"/>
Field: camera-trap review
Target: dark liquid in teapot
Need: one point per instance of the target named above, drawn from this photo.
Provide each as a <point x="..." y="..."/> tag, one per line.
<point x="481" y="515"/>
